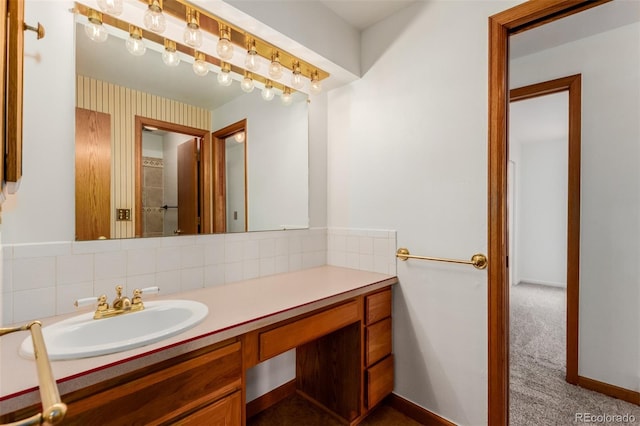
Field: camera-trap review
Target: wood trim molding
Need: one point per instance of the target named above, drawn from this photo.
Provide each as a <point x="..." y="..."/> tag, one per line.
<point x="573" y="85"/>
<point x="14" y="83"/>
<point x="416" y="412"/>
<point x="218" y="138"/>
<point x="518" y="18"/>
<point x="608" y="389"/>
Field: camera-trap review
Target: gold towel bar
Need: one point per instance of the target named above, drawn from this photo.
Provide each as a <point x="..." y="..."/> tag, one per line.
<point x="54" y="409"/>
<point x="479" y="261"/>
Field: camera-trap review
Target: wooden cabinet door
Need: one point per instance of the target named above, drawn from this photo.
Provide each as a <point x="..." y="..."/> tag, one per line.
<point x="225" y="412"/>
<point x="93" y="175"/>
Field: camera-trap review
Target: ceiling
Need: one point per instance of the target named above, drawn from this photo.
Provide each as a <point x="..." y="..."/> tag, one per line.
<point x="361" y="14"/>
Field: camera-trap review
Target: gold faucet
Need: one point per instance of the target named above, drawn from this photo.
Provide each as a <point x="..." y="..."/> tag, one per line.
<point x="120" y="305"/>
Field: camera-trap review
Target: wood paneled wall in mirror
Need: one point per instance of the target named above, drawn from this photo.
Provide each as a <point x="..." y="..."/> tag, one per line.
<point x="142" y="89"/>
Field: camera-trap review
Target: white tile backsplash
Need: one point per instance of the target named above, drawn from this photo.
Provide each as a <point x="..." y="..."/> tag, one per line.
<point x="365" y="249"/>
<point x="40" y="280"/>
<point x="34" y="273"/>
<point x="73" y="269"/>
<point x="110" y="265"/>
<point x="32" y="304"/>
<point x="168" y="259"/>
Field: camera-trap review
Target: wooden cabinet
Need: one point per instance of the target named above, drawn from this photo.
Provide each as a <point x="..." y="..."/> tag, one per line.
<point x="378" y="359"/>
<point x="225" y="412"/>
<point x="207" y="386"/>
<point x="344" y="363"/>
<point x="289" y="336"/>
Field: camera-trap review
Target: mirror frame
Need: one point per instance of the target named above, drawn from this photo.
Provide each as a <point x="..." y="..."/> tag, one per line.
<point x="516" y="19"/>
<point x="205" y="170"/>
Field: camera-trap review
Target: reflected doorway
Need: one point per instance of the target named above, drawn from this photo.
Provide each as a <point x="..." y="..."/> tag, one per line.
<point x="230" y="178"/>
<point x="172" y="179"/>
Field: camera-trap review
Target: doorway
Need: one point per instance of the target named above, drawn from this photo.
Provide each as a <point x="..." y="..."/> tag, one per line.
<point x="572" y="85"/>
<point x="540" y="212"/>
<point x="501" y="26"/>
<point x="230" y="178"/>
<point x="191" y="204"/>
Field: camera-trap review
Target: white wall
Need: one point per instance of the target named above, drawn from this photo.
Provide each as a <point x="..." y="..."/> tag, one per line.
<point x="408" y="151"/>
<point x="43" y="208"/>
<point x="609" y="346"/>
<point x="541" y="212"/>
<point x="538" y="157"/>
<point x="277" y="159"/>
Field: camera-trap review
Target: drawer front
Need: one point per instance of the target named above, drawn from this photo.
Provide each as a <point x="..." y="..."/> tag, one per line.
<point x="379" y="381"/>
<point x="164" y="395"/>
<point x="378" y="306"/>
<point x="378" y="340"/>
<point x="226" y="412"/>
<point x="289" y="336"/>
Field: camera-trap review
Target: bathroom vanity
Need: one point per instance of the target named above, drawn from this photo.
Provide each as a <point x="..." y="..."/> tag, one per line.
<point x="338" y="320"/>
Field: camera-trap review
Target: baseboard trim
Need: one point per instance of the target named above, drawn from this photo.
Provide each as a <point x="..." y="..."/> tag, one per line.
<point x="416" y="412"/>
<point x="610" y="390"/>
<point x="270" y="398"/>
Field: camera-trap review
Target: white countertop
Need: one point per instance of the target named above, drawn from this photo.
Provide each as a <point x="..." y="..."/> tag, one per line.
<point x="234" y="309"/>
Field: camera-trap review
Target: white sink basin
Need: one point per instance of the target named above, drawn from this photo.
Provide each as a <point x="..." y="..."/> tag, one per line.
<point x="82" y="336"/>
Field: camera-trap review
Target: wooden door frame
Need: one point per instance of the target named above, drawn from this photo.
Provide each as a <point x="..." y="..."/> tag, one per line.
<point x="573" y="85"/>
<point x="205" y="166"/>
<point x="516" y="19"/>
<point x="219" y="175"/>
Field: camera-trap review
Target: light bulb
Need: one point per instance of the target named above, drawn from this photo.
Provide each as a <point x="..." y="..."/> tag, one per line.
<point x="275" y="67"/>
<point x="286" y="96"/>
<point x="316" y="85"/>
<point x="170" y="58"/>
<point x="224" y="46"/>
<point x="247" y="84"/>
<point x="296" y="81"/>
<point x="112" y="7"/>
<point x="153" y="18"/>
<point x="267" y="92"/>
<point x="200" y="67"/>
<point x="251" y="62"/>
<point x="224" y="78"/>
<point x="169" y="55"/>
<point x="192" y="35"/>
<point x="239" y="137"/>
<point x="94" y="28"/>
<point x="96" y="32"/>
<point x="135" y="44"/>
<point x="224" y="49"/>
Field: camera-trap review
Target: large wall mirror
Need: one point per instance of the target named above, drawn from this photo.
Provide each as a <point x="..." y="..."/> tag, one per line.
<point x="137" y="122"/>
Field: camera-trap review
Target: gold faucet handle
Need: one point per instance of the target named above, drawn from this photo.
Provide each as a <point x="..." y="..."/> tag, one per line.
<point x="137" y="294"/>
<point x="102" y="303"/>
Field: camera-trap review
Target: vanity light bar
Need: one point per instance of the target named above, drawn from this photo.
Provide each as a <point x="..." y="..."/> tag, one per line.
<point x="187" y="50"/>
<point x="211" y="24"/>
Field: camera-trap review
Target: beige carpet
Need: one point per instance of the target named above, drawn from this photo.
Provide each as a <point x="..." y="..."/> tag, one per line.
<point x="538" y="391"/>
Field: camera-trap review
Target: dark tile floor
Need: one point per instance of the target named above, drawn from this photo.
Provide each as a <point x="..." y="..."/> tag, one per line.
<point x="297" y="411"/>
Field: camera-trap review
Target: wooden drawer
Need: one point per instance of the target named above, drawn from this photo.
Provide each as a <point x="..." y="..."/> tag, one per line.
<point x="377" y="306"/>
<point x="378" y="341"/>
<point x="164" y="395"/>
<point x="289" y="336"/>
<point x="379" y="381"/>
<point x="225" y="412"/>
